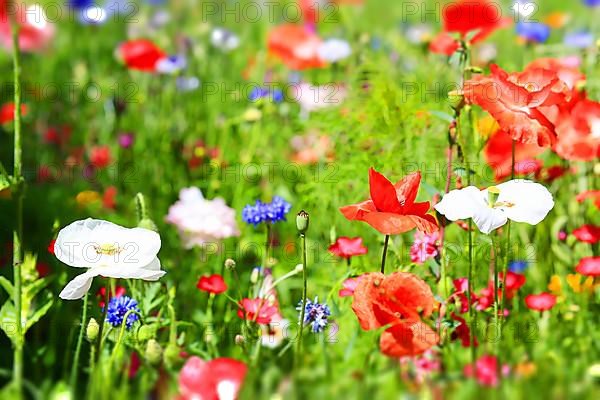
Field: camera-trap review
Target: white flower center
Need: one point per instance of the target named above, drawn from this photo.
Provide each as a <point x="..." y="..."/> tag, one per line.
<point x="108" y="249"/>
<point x="493" y="194"/>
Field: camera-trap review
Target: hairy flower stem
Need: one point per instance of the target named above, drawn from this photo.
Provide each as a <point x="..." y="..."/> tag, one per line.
<point x="103" y="319"/>
<point x="384" y="255"/>
<point x="19" y="340"/>
<point x="75" y="366"/>
<point x="304" y="290"/>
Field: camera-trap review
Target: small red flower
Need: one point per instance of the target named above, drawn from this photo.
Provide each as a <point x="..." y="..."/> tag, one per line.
<point x="7" y="112"/>
<point x="540" y="302"/>
<point x="100" y="156"/>
<point x="520" y="102"/>
<point x="295" y="46"/>
<point x="349" y="286"/>
<point x="578" y="132"/>
<point x="109" y="197"/>
<point x="346" y="247"/>
<point x="398" y="302"/>
<point x="257" y="310"/>
<point x="486" y="370"/>
<point x="589" y="266"/>
<point x="212" y="284"/>
<point x="467" y="16"/>
<point x="588" y="234"/>
<point x="443" y="43"/>
<point x="462" y="331"/>
<point x="392" y="209"/>
<point x="498" y="154"/>
<point x="589" y="194"/>
<point x="220" y="378"/>
<point x="101" y="294"/>
<point x="51" y="246"/>
<point x="140" y="54"/>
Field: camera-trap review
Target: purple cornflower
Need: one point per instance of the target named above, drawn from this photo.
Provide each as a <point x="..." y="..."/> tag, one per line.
<point x="275" y="95"/>
<point x="126" y="140"/>
<point x="315" y="314"/>
<point x="518" y="266"/>
<point x="118" y="307"/>
<point x="266" y="212"/>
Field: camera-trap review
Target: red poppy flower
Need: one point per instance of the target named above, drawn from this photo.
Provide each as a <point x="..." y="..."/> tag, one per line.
<point x="486" y="370"/>
<point x="444" y="43"/>
<point x="588" y="234"/>
<point x="7" y="112"/>
<point x="220" y="378"/>
<point x="392" y="209"/>
<point x="35" y="30"/>
<point x="140" y="54"/>
<point x="212" y="284"/>
<point x="462" y="331"/>
<point x="498" y="154"/>
<point x="346" y="247"/>
<point x="565" y="69"/>
<point x="589" y="194"/>
<point x="461" y="288"/>
<point x="589" y="266"/>
<point x="519" y="101"/>
<point x="578" y="132"/>
<point x="51" y="246"/>
<point x="309" y="11"/>
<point x="109" y="197"/>
<point x="100" y="156"/>
<point x="398" y="302"/>
<point x="295" y="46"/>
<point x="349" y="286"/>
<point x="257" y="310"/>
<point x="540" y="302"/>
<point x="473" y="15"/>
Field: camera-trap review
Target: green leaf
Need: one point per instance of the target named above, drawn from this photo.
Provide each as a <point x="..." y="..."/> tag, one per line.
<point x="8" y="321"/>
<point x="7" y="285"/>
<point x="30" y="290"/>
<point x="38" y="314"/>
<point x="562" y="252"/>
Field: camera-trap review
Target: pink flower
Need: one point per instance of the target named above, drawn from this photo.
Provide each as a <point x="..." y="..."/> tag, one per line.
<point x="257" y="310"/>
<point x="589" y="266"/>
<point x="220" y="378"/>
<point x="425" y="247"/>
<point x="35" y="32"/>
<point x="201" y="221"/>
<point x="540" y="302"/>
<point x="486" y="370"/>
<point x="346" y="247"/>
<point x="349" y="286"/>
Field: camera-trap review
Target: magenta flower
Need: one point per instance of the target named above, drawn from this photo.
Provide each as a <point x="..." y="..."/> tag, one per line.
<point x="425" y="247"/>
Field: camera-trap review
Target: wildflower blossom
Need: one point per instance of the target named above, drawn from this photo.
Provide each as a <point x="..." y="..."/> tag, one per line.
<point x="533" y="31"/>
<point x="224" y="39"/>
<point x="587" y="233"/>
<point x="540" y="302"/>
<point x="118" y="307"/>
<point x="334" y="50"/>
<point x="349" y="286"/>
<point x="346" y="247"/>
<point x="213" y="284"/>
<point x="266" y="212"/>
<point x="315" y="314"/>
<point x="517" y="266"/>
<point x="258" y="310"/>
<point x="589" y="266"/>
<point x="425" y="247"/>
<point x="220" y="378"/>
<point x="199" y="220"/>
<point x="486" y="371"/>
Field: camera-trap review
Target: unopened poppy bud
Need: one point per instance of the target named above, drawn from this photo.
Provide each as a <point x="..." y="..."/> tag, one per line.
<point x="147" y="223"/>
<point x="456" y="98"/>
<point x="473" y="69"/>
<point x="302" y="220"/>
<point x="171" y="354"/>
<point x="254" y="275"/>
<point x="239" y="340"/>
<point x="229" y="264"/>
<point x="145" y="332"/>
<point x="153" y="352"/>
<point x="92" y="330"/>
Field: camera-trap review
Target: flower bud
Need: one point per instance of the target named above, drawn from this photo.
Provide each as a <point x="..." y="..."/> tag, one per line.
<point x="146" y="332"/>
<point x="153" y="352"/>
<point x="171" y="354"/>
<point x="254" y="275"/>
<point x="239" y="340"/>
<point x="456" y="98"/>
<point x="147" y="223"/>
<point x="230" y="264"/>
<point x="302" y="220"/>
<point x="92" y="330"/>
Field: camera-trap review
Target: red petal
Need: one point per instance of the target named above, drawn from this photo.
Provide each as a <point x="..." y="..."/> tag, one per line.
<point x="409" y="338"/>
<point x="383" y="193"/>
<point x="407" y="189"/>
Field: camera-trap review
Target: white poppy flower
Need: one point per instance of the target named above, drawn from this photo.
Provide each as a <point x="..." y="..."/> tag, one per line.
<point x="517" y="200"/>
<point x="334" y="50"/>
<point x="108" y="250"/>
<point x="223" y="39"/>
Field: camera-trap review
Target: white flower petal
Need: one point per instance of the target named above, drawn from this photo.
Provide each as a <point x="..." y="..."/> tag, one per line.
<point x="532" y="201"/>
<point x="78" y="286"/>
<point x="150" y="272"/>
<point x="461" y="204"/>
<point x="488" y="219"/>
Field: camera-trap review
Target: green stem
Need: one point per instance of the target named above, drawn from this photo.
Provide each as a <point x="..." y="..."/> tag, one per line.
<point x="18" y="231"/>
<point x="75" y="366"/>
<point x="304" y="290"/>
<point x="140" y="204"/>
<point x="384" y="255"/>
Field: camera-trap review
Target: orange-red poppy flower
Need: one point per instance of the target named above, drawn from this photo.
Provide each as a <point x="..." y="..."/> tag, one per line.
<point x="566" y="69"/>
<point x="392" y="209"/>
<point x="578" y="132"/>
<point x="398" y="302"/>
<point x="295" y="46"/>
<point x="518" y="101"/>
<point x="467" y="16"/>
<point x="498" y="154"/>
<point x="141" y="54"/>
<point x="443" y="43"/>
<point x="589" y="194"/>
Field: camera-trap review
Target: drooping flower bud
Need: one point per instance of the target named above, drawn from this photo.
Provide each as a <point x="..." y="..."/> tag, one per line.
<point x="146" y="332"/>
<point x="92" y="330"/>
<point x="153" y="352"/>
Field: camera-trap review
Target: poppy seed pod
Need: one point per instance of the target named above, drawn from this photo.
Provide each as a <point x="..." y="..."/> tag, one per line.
<point x="302" y="221"/>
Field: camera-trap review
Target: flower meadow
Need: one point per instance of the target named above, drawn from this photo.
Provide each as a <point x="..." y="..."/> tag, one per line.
<point x="293" y="199"/>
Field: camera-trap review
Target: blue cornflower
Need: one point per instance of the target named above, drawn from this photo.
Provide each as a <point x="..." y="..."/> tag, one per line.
<point x="592" y="3"/>
<point x="533" y="31"/>
<point x="517" y="266"/>
<point x="80" y="4"/>
<point x="275" y="95"/>
<point x="118" y="307"/>
<point x="315" y="314"/>
<point x="579" y="40"/>
<point x="266" y="212"/>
